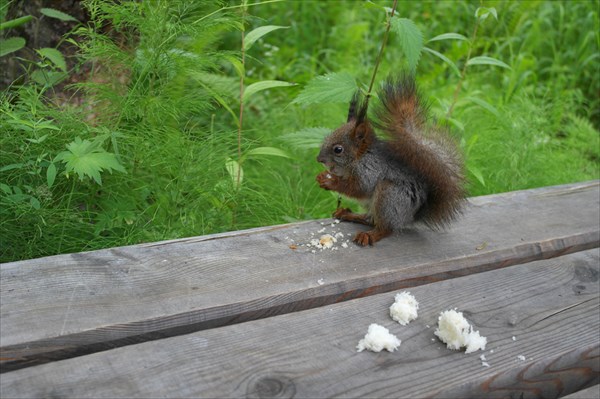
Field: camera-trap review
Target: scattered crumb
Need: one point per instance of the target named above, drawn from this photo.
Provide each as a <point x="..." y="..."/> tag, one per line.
<point x="485" y="364"/>
<point x="521" y="358"/>
<point x="377" y="339"/>
<point x="456" y="332"/>
<point x="293" y="247"/>
<point x="514" y="338"/>
<point x="404" y="308"/>
<point x="320" y="281"/>
<point x="482" y="246"/>
<point x="482" y="358"/>
<point x="427" y="326"/>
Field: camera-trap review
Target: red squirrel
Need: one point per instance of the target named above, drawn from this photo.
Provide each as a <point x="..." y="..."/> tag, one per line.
<point x="414" y="175"/>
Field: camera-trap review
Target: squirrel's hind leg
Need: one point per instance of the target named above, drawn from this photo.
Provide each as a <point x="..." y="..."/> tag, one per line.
<point x="370" y="237"/>
<point x="347" y="215"/>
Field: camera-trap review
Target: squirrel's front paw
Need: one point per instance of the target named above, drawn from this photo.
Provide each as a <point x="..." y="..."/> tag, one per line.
<point x="327" y="181"/>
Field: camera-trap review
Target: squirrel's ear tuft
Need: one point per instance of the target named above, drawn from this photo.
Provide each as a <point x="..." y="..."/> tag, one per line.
<point x="358" y="109"/>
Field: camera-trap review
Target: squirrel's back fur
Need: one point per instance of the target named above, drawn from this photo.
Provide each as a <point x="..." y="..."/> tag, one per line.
<point x="426" y="149"/>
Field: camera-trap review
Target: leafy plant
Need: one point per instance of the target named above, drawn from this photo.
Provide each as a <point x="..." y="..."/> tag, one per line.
<point x="87" y="159"/>
<point x="51" y="67"/>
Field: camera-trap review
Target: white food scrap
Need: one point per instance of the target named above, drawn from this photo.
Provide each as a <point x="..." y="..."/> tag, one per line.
<point x="377" y="339"/>
<point x="327" y="240"/>
<point x="456" y="332"/>
<point x="404" y="309"/>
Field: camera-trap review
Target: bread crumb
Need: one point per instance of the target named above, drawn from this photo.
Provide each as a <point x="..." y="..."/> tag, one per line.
<point x="377" y="339"/>
<point x="514" y="338"/>
<point x="521" y="358"/>
<point x="404" y="308"/>
<point x="320" y="281"/>
<point x="327" y="240"/>
<point x="485" y="364"/>
<point x="456" y="332"/>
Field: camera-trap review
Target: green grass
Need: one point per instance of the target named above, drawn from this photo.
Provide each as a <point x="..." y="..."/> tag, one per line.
<point x="162" y="100"/>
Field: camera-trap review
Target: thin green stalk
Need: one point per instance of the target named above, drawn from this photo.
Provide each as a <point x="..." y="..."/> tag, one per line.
<point x="64" y="223"/>
<point x="380" y="55"/>
<point x="241" y="115"/>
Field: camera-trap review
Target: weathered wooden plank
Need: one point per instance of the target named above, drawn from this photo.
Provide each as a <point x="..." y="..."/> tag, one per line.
<point x="589" y="393"/>
<point x="57" y="307"/>
<point x="550" y="307"/>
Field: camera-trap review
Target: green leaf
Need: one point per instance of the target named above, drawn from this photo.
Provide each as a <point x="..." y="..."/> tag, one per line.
<point x="5" y="188"/>
<point x="270" y="151"/>
<point x="11" y="167"/>
<point x="11" y="45"/>
<point x="55" y="56"/>
<point x="234" y="169"/>
<point x="484" y="60"/>
<point x="265" y="84"/>
<point x="236" y="63"/>
<point x="252" y="36"/>
<point x="483" y="12"/>
<point x="411" y="39"/>
<point x="34" y="202"/>
<point x="87" y="159"/>
<point x="370" y="5"/>
<point x="311" y="137"/>
<point x="330" y="88"/>
<point x="52" y="13"/>
<point x="46" y="125"/>
<point x="445" y="59"/>
<point x="458" y="124"/>
<point x="48" y="78"/>
<point x="38" y="141"/>
<point x="484" y="104"/>
<point x="448" y="36"/>
<point x="51" y="174"/>
<point x="477" y="173"/>
<point x="13" y="23"/>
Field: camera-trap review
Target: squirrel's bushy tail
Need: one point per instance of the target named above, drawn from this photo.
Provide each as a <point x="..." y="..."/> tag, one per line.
<point x="426" y="149"/>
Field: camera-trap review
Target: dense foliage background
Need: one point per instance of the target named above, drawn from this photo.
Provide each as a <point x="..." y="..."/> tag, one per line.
<point x="127" y="128"/>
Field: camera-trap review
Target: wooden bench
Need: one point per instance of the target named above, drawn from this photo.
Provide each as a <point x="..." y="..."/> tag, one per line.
<point x="260" y="314"/>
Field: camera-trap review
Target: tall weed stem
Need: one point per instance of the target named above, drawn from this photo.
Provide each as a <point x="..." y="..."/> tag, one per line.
<point x="380" y="55"/>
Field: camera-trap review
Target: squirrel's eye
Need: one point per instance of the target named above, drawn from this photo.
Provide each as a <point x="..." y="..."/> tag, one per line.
<point x="338" y="149"/>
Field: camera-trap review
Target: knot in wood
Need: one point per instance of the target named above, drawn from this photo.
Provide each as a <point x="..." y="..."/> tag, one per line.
<point x="271" y="386"/>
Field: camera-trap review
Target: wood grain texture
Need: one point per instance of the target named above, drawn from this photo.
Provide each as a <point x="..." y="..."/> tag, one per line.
<point x="550" y="307"/>
<point x="69" y="305"/>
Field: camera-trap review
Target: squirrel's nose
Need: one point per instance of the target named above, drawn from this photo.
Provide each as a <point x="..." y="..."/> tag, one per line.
<point x="320" y="158"/>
